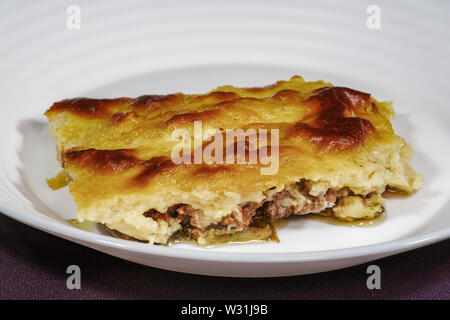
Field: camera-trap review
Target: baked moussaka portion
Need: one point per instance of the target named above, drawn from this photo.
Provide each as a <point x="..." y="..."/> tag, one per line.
<point x="162" y="166"/>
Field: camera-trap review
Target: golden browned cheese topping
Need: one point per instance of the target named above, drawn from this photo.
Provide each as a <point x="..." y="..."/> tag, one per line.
<point x="116" y="161"/>
<point x="131" y="138"/>
<point x="103" y="160"/>
<point x="335" y="125"/>
<point x="330" y="119"/>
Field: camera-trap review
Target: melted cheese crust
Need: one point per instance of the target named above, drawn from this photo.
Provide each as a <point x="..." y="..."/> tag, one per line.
<point x="117" y="152"/>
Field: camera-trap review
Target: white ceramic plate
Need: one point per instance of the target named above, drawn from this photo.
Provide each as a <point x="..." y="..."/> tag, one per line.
<point x="129" y="48"/>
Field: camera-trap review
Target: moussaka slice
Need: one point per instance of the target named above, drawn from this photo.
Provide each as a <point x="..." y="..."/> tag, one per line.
<point x="218" y="165"/>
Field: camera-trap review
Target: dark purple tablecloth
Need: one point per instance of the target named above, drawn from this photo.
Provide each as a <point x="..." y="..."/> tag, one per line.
<point x="33" y="266"/>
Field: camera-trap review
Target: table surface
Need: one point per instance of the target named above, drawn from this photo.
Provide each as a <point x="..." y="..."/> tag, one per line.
<point x="33" y="265"/>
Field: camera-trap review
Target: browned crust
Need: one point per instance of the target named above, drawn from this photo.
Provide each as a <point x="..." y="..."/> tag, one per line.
<point x="89" y="108"/>
<point x="331" y="124"/>
<point x="152" y="168"/>
<point x="116" y="161"/>
<point x="335" y="134"/>
<point x="190" y="117"/>
<point x="102" y="160"/>
<point x="216" y="96"/>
